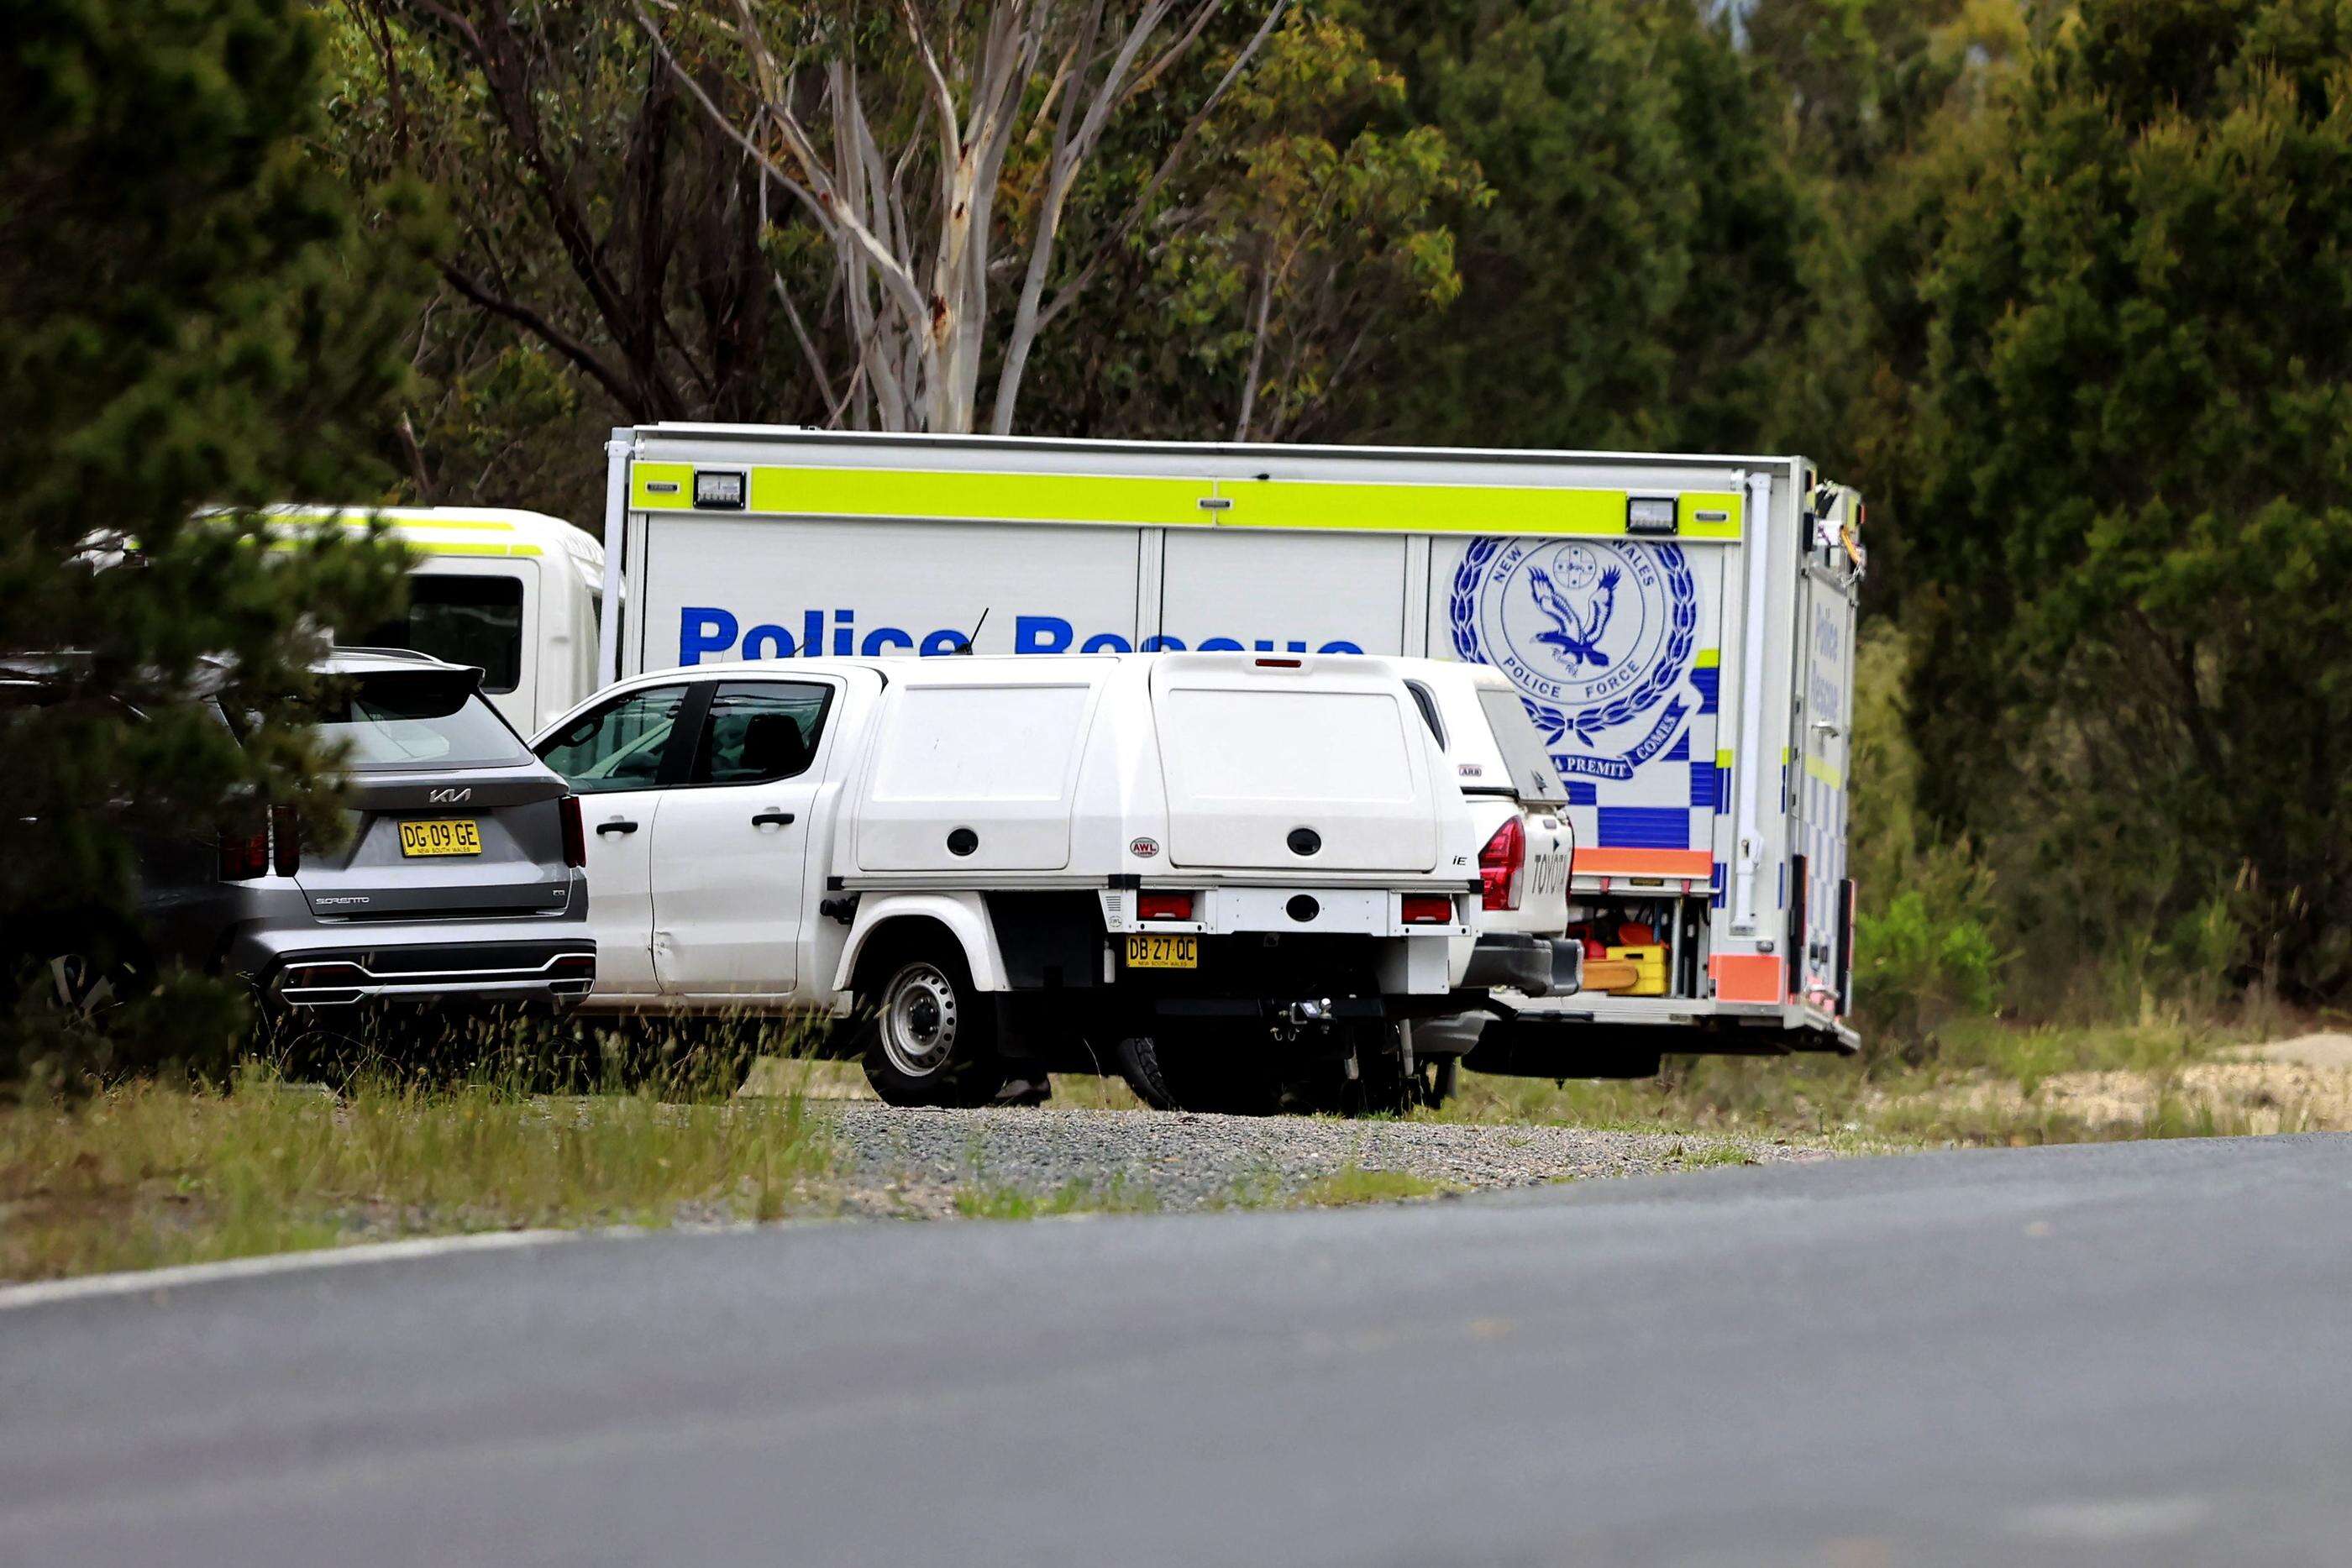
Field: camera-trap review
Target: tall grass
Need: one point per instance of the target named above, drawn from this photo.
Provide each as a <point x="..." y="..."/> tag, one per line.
<point x="146" y="1174"/>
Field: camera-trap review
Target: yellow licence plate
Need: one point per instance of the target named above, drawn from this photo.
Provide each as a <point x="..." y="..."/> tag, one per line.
<point x="1163" y="952"/>
<point x="451" y="836"/>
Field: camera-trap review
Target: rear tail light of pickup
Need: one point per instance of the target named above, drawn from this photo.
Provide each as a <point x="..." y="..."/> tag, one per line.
<point x="575" y="837"/>
<point x="1501" y="864"/>
<point x="1163" y="906"/>
<point x="1428" y="909"/>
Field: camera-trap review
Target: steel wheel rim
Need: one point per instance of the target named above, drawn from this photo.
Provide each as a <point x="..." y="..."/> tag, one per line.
<point x="918" y="1021"/>
<point x="78" y="984"/>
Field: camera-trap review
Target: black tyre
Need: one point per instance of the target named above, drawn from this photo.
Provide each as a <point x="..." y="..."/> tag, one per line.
<point x="1191" y="1069"/>
<point x="930" y="1035"/>
<point x="79" y="971"/>
<point x="1379" y="1086"/>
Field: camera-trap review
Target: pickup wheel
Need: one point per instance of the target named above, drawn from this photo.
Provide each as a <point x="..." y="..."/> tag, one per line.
<point x="1179" y="1069"/>
<point x="1381" y="1086"/>
<point x="931" y="1040"/>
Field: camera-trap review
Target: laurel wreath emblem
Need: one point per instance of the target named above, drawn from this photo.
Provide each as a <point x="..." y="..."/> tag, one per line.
<point x="1682" y="636"/>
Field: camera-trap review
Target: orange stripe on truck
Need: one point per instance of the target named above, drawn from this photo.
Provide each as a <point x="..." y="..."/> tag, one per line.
<point x="1645" y="862"/>
<point x="1746" y="977"/>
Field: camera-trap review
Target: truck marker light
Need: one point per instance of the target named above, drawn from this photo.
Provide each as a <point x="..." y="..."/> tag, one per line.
<point x="1163" y="906"/>
<point x="1499" y="865"/>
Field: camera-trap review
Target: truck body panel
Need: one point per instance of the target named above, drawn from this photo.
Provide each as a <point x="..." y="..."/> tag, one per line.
<point x="1665" y="619"/>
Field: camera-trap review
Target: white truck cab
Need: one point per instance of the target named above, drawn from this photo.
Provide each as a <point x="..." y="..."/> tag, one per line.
<point x="516" y="594"/>
<point x="1230" y="876"/>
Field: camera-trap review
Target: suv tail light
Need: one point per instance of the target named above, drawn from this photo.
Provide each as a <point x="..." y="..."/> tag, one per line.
<point x="1163" y="906"/>
<point x="278" y="847"/>
<point x="575" y="837"/>
<point x="243" y="857"/>
<point x="1428" y="909"/>
<point x="1499" y="865"/>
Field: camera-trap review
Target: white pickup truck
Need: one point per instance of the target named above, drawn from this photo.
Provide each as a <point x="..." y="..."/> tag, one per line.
<point x="1526" y="843"/>
<point x="1231" y="877"/>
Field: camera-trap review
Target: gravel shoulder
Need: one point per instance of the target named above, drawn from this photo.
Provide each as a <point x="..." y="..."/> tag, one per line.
<point x="1015" y="1162"/>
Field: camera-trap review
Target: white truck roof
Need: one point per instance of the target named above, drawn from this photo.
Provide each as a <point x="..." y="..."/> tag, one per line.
<point x="493" y="531"/>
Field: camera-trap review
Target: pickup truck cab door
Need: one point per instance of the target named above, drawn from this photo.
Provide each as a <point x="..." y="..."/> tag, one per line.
<point x="730" y="851"/>
<point x="617" y="756"/>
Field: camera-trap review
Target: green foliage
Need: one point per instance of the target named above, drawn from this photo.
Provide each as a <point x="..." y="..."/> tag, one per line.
<point x="2136" y="666"/>
<point x="1310" y="243"/>
<point x="607" y="261"/>
<point x="1924" y="953"/>
<point x="1645" y="275"/>
<point x="1866" y="80"/>
<point x="187" y="318"/>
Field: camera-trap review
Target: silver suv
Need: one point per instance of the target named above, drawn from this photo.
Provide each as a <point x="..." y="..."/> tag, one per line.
<point x="459" y="883"/>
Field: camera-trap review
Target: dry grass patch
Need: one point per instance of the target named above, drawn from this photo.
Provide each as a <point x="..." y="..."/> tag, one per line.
<point x="1992" y="1084"/>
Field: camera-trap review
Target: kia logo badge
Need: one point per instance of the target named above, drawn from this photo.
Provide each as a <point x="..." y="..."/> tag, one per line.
<point x="448" y="797"/>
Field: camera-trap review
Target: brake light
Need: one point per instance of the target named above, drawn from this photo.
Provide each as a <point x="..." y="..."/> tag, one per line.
<point x="575" y="837"/>
<point x="285" y="842"/>
<point x="1428" y="909"/>
<point x="243" y="857"/>
<point x="1163" y="906"/>
<point x="1499" y="865"/>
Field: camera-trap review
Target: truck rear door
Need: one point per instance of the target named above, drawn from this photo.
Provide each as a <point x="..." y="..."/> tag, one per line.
<point x="1300" y="765"/>
<point x="1817" y="785"/>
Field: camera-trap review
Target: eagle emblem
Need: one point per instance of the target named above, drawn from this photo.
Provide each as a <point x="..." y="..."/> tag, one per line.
<point x="1575" y="636"/>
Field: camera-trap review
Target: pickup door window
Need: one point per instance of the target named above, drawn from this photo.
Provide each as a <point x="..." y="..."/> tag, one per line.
<point x="731" y="854"/>
<point x="616" y="758"/>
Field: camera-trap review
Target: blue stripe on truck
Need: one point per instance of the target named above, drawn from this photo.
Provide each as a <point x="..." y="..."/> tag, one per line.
<point x="1644" y="828"/>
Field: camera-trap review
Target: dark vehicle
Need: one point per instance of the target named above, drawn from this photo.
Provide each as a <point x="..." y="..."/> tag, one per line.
<point x="459" y="883"/>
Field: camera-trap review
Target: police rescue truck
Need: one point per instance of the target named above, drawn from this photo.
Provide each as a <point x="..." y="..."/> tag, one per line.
<point x="1680" y="629"/>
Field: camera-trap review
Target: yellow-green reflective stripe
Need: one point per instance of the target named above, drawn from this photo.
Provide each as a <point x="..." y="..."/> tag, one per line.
<point x="1825" y="772"/>
<point x="677" y="476"/>
<point x="1706" y="658"/>
<point x="426" y="547"/>
<point x="1723" y="760"/>
<point x="1145" y="502"/>
<point x="361" y="520"/>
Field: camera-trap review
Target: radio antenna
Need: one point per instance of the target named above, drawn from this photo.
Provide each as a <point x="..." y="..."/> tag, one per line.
<point x="976" y="625"/>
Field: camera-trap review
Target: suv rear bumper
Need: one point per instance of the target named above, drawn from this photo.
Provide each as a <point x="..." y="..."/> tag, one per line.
<point x="451" y="965"/>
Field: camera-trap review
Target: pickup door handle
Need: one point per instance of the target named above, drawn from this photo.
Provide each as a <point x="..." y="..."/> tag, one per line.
<point x="779" y="818"/>
<point x="614" y="826"/>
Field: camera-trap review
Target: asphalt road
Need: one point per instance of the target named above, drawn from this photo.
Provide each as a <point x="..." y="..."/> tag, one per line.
<point x="2131" y="1354"/>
